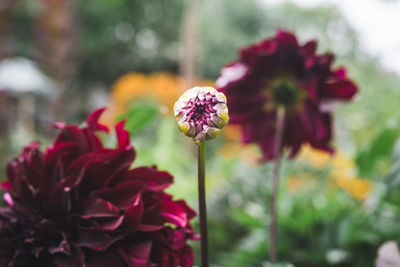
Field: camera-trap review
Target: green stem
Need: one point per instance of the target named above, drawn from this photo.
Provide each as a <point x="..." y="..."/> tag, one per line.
<point x="202" y="205"/>
<point x="273" y="229"/>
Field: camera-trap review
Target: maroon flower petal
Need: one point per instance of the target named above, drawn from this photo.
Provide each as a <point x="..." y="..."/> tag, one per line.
<point x="341" y="90"/>
<point x="232" y="73"/>
<point x="166" y="256"/>
<point x="105" y="166"/>
<point x="122" y="195"/>
<point x="172" y="238"/>
<point x="309" y="49"/>
<point x="186" y="256"/>
<point x="76" y="259"/>
<point x="60" y="196"/>
<point x="103" y="259"/>
<point x="154" y="179"/>
<point x="55" y="151"/>
<point x="93" y="121"/>
<point x="133" y="216"/>
<point x="189" y="211"/>
<point x="97" y="207"/>
<point x="122" y="136"/>
<point x="110" y="224"/>
<point x="5" y="185"/>
<point x="137" y="255"/>
<point x="96" y="239"/>
<point x="286" y="38"/>
<point x="173" y="213"/>
<point x="152" y="221"/>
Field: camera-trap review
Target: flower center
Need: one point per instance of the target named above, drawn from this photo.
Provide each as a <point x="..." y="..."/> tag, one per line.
<point x="202" y="110"/>
<point x="285" y="94"/>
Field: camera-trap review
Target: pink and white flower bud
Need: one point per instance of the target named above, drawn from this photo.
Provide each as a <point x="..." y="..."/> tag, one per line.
<point x="201" y="113"/>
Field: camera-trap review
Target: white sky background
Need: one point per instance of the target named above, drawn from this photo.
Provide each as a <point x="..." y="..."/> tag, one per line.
<point x="377" y="23"/>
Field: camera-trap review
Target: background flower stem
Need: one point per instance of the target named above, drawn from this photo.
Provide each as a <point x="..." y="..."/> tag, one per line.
<point x="202" y="204"/>
<point x="273" y="241"/>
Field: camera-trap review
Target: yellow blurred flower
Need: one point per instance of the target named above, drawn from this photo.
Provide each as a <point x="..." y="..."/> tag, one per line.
<point x="128" y="87"/>
<point x="317" y="158"/>
<point x="232" y="132"/>
<point x="247" y="153"/>
<point x="234" y="148"/>
<point x="162" y="87"/>
<point x="295" y="185"/>
<point x="165" y="88"/>
<point x="357" y="188"/>
<point x="341" y="171"/>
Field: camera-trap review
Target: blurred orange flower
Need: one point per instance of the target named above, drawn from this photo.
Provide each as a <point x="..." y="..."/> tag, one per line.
<point x="128" y="87"/>
<point x="165" y="88"/>
<point x="247" y="153"/>
<point x="162" y="87"/>
<point x="296" y="184"/>
<point x="315" y="157"/>
<point x="341" y="172"/>
<point x="234" y="148"/>
<point x="232" y="132"/>
<point x="357" y="188"/>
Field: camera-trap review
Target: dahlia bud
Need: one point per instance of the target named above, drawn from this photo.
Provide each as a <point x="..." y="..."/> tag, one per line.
<point x="201" y="113"/>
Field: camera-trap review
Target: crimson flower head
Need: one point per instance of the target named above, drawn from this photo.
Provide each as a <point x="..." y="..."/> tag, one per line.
<point x="78" y="203"/>
<point x="280" y="73"/>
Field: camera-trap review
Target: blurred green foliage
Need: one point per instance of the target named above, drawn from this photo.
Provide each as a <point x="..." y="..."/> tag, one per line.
<point x="139" y="116"/>
<point x="375" y="158"/>
<point x="121" y="35"/>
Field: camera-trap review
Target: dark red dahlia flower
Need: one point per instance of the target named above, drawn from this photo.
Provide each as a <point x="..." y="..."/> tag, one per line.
<point x="281" y="73"/>
<point x="79" y="204"/>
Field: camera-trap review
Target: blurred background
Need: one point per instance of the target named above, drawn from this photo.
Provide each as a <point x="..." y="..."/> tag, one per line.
<point x="61" y="59"/>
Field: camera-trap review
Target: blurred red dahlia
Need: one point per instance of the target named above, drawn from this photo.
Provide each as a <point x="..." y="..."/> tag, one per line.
<point x="280" y="73"/>
<point x="79" y="204"/>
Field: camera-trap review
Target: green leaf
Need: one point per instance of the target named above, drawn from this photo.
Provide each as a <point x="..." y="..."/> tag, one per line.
<point x="377" y="156"/>
<point x="139" y="116"/>
<point x="247" y="220"/>
<point x="392" y="182"/>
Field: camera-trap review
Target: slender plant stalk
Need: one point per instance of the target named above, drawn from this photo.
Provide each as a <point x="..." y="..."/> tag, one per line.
<point x="273" y="239"/>
<point x="202" y="205"/>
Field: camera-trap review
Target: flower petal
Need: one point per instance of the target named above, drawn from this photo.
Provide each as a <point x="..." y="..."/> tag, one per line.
<point x="154" y="179"/>
<point x="97" y="207"/>
<point x="122" y="195"/>
<point x="133" y="216"/>
<point x="137" y="255"/>
<point x="102" y="259"/>
<point x="93" y="121"/>
<point x="122" y="136"/>
<point x="174" y="213"/>
<point x="342" y="89"/>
